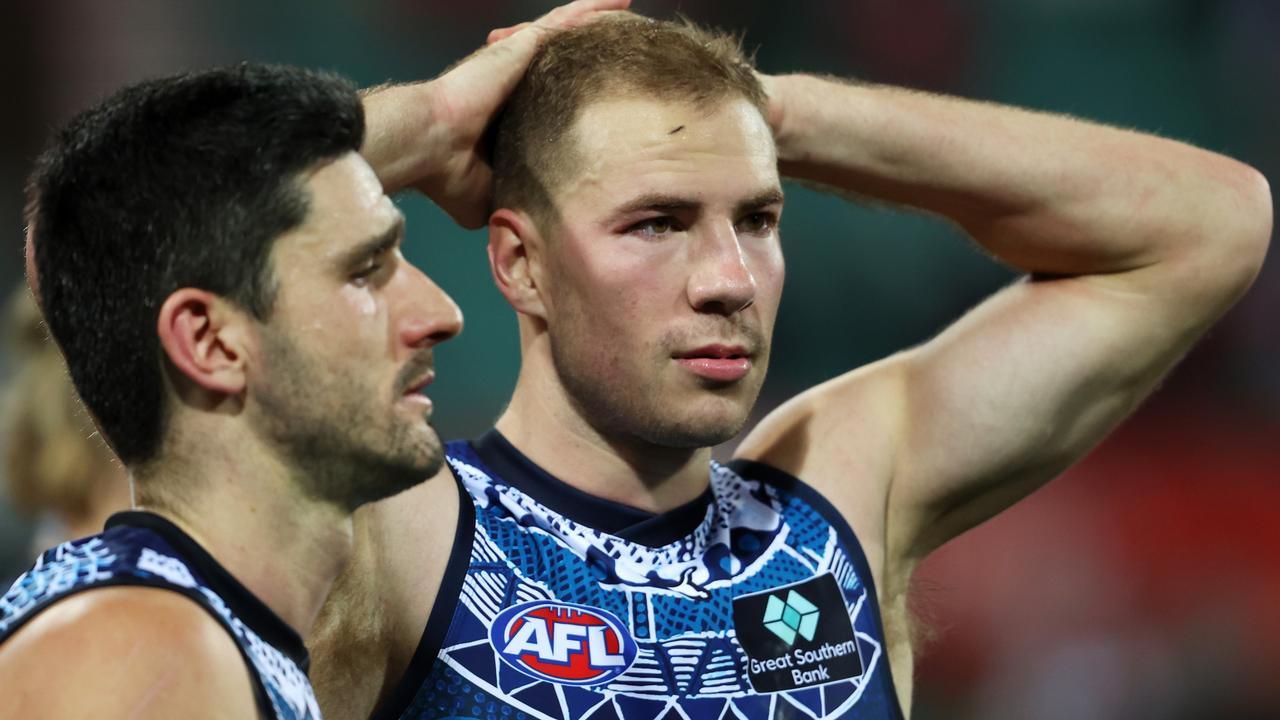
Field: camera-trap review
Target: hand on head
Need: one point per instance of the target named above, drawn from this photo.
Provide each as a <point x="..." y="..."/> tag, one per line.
<point x="469" y="95"/>
<point x="566" y="16"/>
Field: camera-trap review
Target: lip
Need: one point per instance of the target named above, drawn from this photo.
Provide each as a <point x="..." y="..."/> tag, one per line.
<point x="720" y="363"/>
<point x="716" y="351"/>
<point x="413" y="394"/>
<point x="421" y="383"/>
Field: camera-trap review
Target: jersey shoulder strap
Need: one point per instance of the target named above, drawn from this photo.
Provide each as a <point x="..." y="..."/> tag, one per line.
<point x="143" y="549"/>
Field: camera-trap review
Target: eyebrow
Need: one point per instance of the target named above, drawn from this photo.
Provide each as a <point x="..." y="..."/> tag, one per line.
<point x="662" y="202"/>
<point x="376" y="245"/>
<point x="772" y="196"/>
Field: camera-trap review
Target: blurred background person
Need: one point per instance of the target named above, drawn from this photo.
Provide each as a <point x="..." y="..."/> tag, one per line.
<point x="59" y="471"/>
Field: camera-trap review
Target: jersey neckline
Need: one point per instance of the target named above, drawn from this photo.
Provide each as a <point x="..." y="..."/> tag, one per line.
<point x="514" y="468"/>
<point x="243" y="603"/>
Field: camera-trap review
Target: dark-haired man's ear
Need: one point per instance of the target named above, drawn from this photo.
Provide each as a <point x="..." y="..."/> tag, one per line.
<point x="205" y="337"/>
<point x="516" y="262"/>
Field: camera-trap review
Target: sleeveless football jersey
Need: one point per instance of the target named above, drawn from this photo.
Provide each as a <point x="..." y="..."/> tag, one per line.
<point x="753" y="601"/>
<point x="139" y="548"/>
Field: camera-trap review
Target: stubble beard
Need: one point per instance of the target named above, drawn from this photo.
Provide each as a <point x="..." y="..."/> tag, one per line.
<point x="349" y="443"/>
<point x="615" y="405"/>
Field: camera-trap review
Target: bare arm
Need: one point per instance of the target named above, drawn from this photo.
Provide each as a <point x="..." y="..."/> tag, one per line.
<point x="1133" y="245"/>
<point x="124" y="653"/>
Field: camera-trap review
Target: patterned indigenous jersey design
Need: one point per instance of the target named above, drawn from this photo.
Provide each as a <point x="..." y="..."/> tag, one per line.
<point x="752" y="602"/>
<point x="139" y="548"/>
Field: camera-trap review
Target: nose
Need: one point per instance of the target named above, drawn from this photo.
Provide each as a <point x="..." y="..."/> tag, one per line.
<point x="720" y="281"/>
<point x="429" y="315"/>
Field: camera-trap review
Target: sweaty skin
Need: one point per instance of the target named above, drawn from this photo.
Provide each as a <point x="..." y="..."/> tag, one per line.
<point x="240" y="414"/>
<point x="1133" y="245"/>
<point x="667" y="245"/>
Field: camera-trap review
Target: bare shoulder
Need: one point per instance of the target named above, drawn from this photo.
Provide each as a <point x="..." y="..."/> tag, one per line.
<point x="124" y="652"/>
<point x="841" y="437"/>
<point x="370" y="625"/>
<point x="845" y="429"/>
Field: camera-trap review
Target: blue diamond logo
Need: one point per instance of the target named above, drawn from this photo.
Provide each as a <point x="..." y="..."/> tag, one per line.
<point x="791" y="617"/>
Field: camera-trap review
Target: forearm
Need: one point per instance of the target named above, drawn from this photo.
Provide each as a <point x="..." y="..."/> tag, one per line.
<point x="402" y="143"/>
<point x="1045" y="193"/>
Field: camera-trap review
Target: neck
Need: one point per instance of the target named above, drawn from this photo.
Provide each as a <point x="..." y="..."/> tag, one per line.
<point x="248" y="511"/>
<point x="545" y="425"/>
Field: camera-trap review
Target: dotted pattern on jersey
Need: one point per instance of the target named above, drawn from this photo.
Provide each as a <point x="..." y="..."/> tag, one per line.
<point x="126" y="555"/>
<point x="56" y="572"/>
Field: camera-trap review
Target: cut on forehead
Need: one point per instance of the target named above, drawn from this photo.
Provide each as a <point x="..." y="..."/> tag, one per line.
<point x="621" y="56"/>
<point x="721" y="154"/>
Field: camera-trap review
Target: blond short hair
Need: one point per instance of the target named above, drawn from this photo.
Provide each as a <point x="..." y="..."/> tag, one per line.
<point x="627" y="54"/>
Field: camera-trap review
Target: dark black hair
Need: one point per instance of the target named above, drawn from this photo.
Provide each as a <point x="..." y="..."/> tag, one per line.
<point x="182" y="181"/>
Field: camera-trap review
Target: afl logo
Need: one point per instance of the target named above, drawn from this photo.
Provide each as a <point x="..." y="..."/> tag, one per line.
<point x="563" y="642"/>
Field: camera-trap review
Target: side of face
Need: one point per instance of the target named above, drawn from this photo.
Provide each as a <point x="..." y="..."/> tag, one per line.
<point x="664" y="275"/>
<point x="347" y="350"/>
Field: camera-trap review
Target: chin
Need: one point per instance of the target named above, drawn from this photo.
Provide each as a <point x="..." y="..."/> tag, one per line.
<point x="691" y="440"/>
<point x="426" y="459"/>
<point x="661" y="411"/>
<point x="412" y="460"/>
<point x="395" y="477"/>
<point x="695" y="430"/>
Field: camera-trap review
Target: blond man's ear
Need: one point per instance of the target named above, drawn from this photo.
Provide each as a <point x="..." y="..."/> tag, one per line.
<point x="516" y="261"/>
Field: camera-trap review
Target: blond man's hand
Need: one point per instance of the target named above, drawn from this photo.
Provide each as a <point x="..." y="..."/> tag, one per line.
<point x="467" y="97"/>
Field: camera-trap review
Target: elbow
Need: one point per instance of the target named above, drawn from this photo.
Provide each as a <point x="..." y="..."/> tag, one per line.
<point x="1234" y="234"/>
<point x="1251" y="232"/>
<point x="1258" y="217"/>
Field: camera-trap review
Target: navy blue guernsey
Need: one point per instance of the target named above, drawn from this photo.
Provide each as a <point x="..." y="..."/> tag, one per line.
<point x="753" y="601"/>
<point x="139" y="548"/>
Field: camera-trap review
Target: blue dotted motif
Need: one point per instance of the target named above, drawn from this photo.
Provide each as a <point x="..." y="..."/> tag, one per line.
<point x="810" y="532"/>
<point x="453" y="696"/>
<point x="56" y="572"/>
<point x="126" y="555"/>
<point x="675" y="601"/>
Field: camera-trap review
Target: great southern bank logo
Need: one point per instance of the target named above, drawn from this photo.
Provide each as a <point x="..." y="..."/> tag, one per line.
<point x="563" y="642"/>
<point x="798" y="635"/>
<point x="788" y="618"/>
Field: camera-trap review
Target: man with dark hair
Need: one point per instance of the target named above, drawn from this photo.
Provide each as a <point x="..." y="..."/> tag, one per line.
<point x="602" y="565"/>
<point x="217" y="257"/>
<point x="189" y="234"/>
